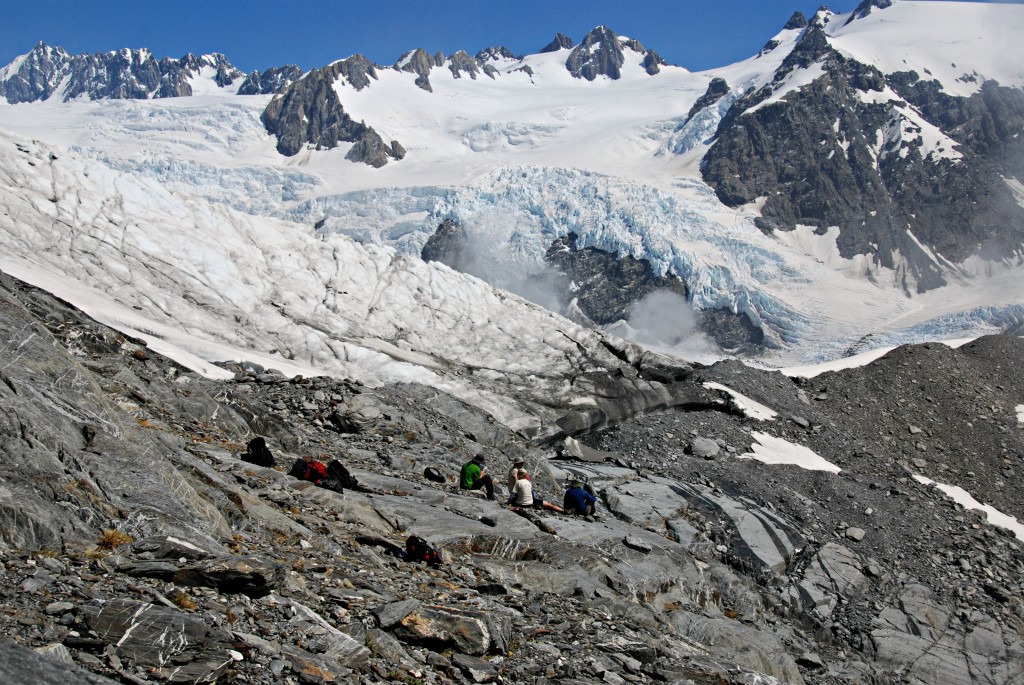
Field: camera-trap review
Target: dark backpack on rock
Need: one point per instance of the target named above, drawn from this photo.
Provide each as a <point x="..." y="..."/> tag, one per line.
<point x="336" y="471"/>
<point x="257" y="452"/>
<point x="418" y="549"/>
<point x="310" y="470"/>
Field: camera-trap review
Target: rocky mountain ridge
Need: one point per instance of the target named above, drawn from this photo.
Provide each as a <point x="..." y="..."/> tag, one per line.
<point x="51" y="72"/>
<point x="815" y="156"/>
<point x="138" y="546"/>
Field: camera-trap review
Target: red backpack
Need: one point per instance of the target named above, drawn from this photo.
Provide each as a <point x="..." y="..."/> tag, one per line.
<point x="311" y="470"/>
<point x="418" y="549"/>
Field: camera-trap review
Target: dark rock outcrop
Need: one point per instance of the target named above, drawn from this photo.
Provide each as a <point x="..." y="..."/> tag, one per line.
<point x="496" y="54"/>
<point x="607" y="285"/>
<point x="448" y="245"/>
<point x="797" y="21"/>
<point x="864" y="8"/>
<point x="601" y="287"/>
<point x="309" y="113"/>
<point x="653" y="62"/>
<point x="270" y="80"/>
<point x="460" y="63"/>
<point x="717" y="89"/>
<point x="420" y="62"/>
<point x="355" y="70"/>
<point x="370" y="148"/>
<point x="122" y="74"/>
<point x="599" y="54"/>
<point x="22" y="665"/>
<point x="559" y="42"/>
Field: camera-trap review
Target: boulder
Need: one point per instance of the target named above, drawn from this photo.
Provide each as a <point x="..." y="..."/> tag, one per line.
<point x="21" y="665"/>
<point x="176" y="646"/>
<point x="251" y="576"/>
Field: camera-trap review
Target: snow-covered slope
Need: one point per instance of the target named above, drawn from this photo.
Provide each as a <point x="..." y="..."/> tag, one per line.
<point x="960" y="44"/>
<point x="518" y="158"/>
<point x="202" y="282"/>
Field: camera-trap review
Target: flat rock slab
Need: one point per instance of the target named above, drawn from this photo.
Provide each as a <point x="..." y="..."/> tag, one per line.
<point x="178" y="647"/>
<point x="390" y="614"/>
<point x="250" y="576"/>
<point x="467" y="631"/>
<point x="480" y="670"/>
<point x="22" y="665"/>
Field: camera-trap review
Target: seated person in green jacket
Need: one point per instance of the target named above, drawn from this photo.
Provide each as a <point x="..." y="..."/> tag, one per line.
<point x="474" y="476"/>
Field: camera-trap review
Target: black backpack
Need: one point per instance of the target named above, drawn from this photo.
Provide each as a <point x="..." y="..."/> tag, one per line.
<point x="418" y="549"/>
<point x="257" y="452"/>
<point x="337" y="471"/>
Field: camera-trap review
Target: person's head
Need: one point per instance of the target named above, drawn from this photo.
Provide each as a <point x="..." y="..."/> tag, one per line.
<point x="479" y="459"/>
<point x="522" y="475"/>
<point x="575" y="484"/>
<point x="518" y="463"/>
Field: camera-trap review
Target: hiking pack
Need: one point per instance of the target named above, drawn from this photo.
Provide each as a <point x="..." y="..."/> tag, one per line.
<point x="257" y="452"/>
<point x="337" y="471"/>
<point x="418" y="549"/>
<point x="334" y="476"/>
<point x="311" y="470"/>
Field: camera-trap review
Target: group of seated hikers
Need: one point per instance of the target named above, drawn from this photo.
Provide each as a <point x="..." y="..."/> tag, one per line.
<point x="579" y="499"/>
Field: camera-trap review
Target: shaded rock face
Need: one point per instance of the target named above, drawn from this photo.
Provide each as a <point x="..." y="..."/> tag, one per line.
<point x="309" y="113"/>
<point x="717" y="89"/>
<point x="600" y="54"/>
<point x="21" y="665"/>
<point x="606" y="285"/>
<point x="797" y="21"/>
<point x="420" y="62"/>
<point x="559" y="42"/>
<point x="125" y="74"/>
<point x="270" y="80"/>
<point x="355" y="70"/>
<point x="460" y="63"/>
<point x="448" y="245"/>
<point x="495" y="54"/>
<point x="824" y="157"/>
<point x="722" y="570"/>
<point x="864" y="8"/>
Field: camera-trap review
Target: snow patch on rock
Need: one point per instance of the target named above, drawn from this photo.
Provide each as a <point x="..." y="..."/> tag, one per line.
<point x="751" y="408"/>
<point x="772" y="450"/>
<point x="967" y="501"/>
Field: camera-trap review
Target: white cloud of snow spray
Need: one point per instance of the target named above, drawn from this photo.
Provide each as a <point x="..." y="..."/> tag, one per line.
<point x="502" y="250"/>
<point x="664" y="321"/>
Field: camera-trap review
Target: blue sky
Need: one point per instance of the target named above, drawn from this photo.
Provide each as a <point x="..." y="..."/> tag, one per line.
<point x="258" y="34"/>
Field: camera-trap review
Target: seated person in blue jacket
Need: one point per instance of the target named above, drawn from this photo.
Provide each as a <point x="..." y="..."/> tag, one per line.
<point x="578" y="501"/>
